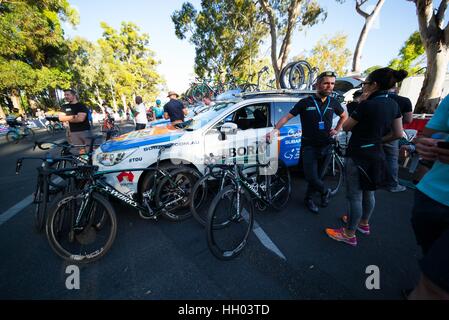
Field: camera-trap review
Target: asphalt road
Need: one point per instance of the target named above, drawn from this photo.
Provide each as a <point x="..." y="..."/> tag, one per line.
<point x="166" y="260"/>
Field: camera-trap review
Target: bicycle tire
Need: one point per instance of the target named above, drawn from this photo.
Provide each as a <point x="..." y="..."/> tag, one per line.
<point x="39" y="213"/>
<point x="333" y="175"/>
<point x="203" y="192"/>
<point x="227" y="243"/>
<point x="59" y="220"/>
<point x="283" y="81"/>
<point x="168" y="191"/>
<point x="282" y="181"/>
<point x="12" y="137"/>
<point x="29" y="134"/>
<point x="296" y="76"/>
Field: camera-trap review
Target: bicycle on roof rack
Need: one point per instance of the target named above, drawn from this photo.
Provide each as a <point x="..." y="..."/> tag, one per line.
<point x="81" y="225"/>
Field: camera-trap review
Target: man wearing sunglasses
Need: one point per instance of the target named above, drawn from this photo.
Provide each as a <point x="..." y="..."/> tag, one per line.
<point x="316" y="113"/>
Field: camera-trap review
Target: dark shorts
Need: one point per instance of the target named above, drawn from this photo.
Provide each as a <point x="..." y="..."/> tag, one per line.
<point x="430" y="220"/>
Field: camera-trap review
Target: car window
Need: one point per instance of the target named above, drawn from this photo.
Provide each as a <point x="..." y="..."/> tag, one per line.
<point x="253" y="116"/>
<point x="281" y="109"/>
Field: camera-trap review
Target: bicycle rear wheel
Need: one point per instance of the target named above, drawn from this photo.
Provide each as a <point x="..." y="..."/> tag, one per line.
<point x="90" y="238"/>
<point x="39" y="210"/>
<point x="173" y="193"/>
<point x="12" y="137"/>
<point x="203" y="192"/>
<point x="29" y="134"/>
<point x="235" y="210"/>
<point x="279" y="187"/>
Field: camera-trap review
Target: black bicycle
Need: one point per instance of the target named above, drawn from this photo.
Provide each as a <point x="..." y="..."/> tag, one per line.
<point x="82" y="226"/>
<point x="332" y="173"/>
<point x="230" y="217"/>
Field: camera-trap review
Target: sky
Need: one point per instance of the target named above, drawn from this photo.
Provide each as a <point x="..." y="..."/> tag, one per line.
<point x="397" y="21"/>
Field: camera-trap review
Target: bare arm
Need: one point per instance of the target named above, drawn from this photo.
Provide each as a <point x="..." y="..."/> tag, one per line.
<point x="279" y="125"/>
<point x="349" y="124"/>
<point x="80" y="117"/>
<point x="407" y="117"/>
<point x="343" y="118"/>
<point x="185" y="110"/>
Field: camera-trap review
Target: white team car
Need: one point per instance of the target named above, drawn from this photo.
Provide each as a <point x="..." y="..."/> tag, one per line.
<point x="232" y="129"/>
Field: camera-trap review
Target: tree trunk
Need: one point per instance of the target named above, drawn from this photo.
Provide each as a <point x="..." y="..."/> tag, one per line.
<point x="369" y="20"/>
<point x="437" y="62"/>
<point x="125" y="106"/>
<point x="15" y="98"/>
<point x="2" y="114"/>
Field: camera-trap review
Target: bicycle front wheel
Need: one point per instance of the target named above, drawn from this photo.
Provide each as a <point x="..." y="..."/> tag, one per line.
<point x="81" y="238"/>
<point x="333" y="175"/>
<point x="235" y="210"/>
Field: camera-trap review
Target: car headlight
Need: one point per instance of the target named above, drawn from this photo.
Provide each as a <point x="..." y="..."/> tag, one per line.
<point x="112" y="158"/>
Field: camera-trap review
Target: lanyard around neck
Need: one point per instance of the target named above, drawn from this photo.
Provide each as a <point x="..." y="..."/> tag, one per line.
<point x="318" y="108"/>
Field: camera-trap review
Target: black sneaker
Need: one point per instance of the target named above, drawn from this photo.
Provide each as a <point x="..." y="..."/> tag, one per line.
<point x="311" y="205"/>
<point x="325" y="198"/>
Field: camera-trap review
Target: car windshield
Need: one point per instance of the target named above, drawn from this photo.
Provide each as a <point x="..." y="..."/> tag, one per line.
<point x="203" y="118"/>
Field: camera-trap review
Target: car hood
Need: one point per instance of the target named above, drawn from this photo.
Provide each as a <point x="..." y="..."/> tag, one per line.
<point x="135" y="139"/>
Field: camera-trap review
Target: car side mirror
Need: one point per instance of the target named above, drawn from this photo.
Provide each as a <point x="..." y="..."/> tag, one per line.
<point x="226" y="129"/>
<point x="229" y="128"/>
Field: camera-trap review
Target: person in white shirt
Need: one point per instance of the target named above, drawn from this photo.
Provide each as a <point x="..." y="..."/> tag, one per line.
<point x="140" y="114"/>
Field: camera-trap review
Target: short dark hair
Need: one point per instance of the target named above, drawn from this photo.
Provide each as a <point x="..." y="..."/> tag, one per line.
<point x="386" y="78"/>
<point x="326" y="74"/>
<point x="72" y="91"/>
<point x="139" y="99"/>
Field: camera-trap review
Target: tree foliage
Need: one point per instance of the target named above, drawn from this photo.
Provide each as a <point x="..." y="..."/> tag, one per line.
<point x="32" y="44"/>
<point x="411" y="55"/>
<point x="329" y="53"/>
<point x="283" y="18"/>
<point x="226" y="34"/>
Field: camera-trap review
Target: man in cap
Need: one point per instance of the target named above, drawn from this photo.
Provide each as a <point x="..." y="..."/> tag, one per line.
<point x="174" y="109"/>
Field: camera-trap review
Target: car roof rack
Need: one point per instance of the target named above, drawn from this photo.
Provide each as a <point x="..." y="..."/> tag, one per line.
<point x="285" y="92"/>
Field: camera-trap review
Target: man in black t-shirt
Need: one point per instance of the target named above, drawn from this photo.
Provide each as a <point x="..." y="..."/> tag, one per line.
<point x="391" y="149"/>
<point x="174" y="109"/>
<point x="76" y="114"/>
<point x="316" y="114"/>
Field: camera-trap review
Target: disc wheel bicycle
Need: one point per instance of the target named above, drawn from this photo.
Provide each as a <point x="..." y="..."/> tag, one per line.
<point x="232" y="207"/>
<point x="81" y="238"/>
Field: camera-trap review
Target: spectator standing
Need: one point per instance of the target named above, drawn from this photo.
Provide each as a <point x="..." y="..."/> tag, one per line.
<point x="376" y="120"/>
<point x="76" y="114"/>
<point x="174" y="109"/>
<point x="316" y="114"/>
<point x="140" y="114"/>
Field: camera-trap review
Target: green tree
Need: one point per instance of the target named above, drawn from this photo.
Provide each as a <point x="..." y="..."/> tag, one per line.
<point x="31" y="41"/>
<point x="370" y="69"/>
<point x="410" y="56"/>
<point x="224" y="33"/>
<point x="329" y="54"/>
<point x="435" y="38"/>
<point x="283" y="18"/>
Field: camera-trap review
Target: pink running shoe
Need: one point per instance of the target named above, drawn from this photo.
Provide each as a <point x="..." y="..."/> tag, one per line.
<point x="363" y="229"/>
<point x="338" y="234"/>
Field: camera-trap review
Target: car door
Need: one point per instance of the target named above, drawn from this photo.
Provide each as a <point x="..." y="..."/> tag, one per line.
<point x="290" y="134"/>
<point x="253" y="123"/>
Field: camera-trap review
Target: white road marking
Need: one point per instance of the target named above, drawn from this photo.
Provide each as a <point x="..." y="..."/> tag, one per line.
<point x="11" y="212"/>
<point x="264" y="238"/>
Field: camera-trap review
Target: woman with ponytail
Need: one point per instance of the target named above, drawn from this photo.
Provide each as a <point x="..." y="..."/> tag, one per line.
<point x="375" y="121"/>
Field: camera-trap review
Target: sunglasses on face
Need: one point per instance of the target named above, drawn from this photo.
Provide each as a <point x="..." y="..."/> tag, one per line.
<point x="366" y="83"/>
